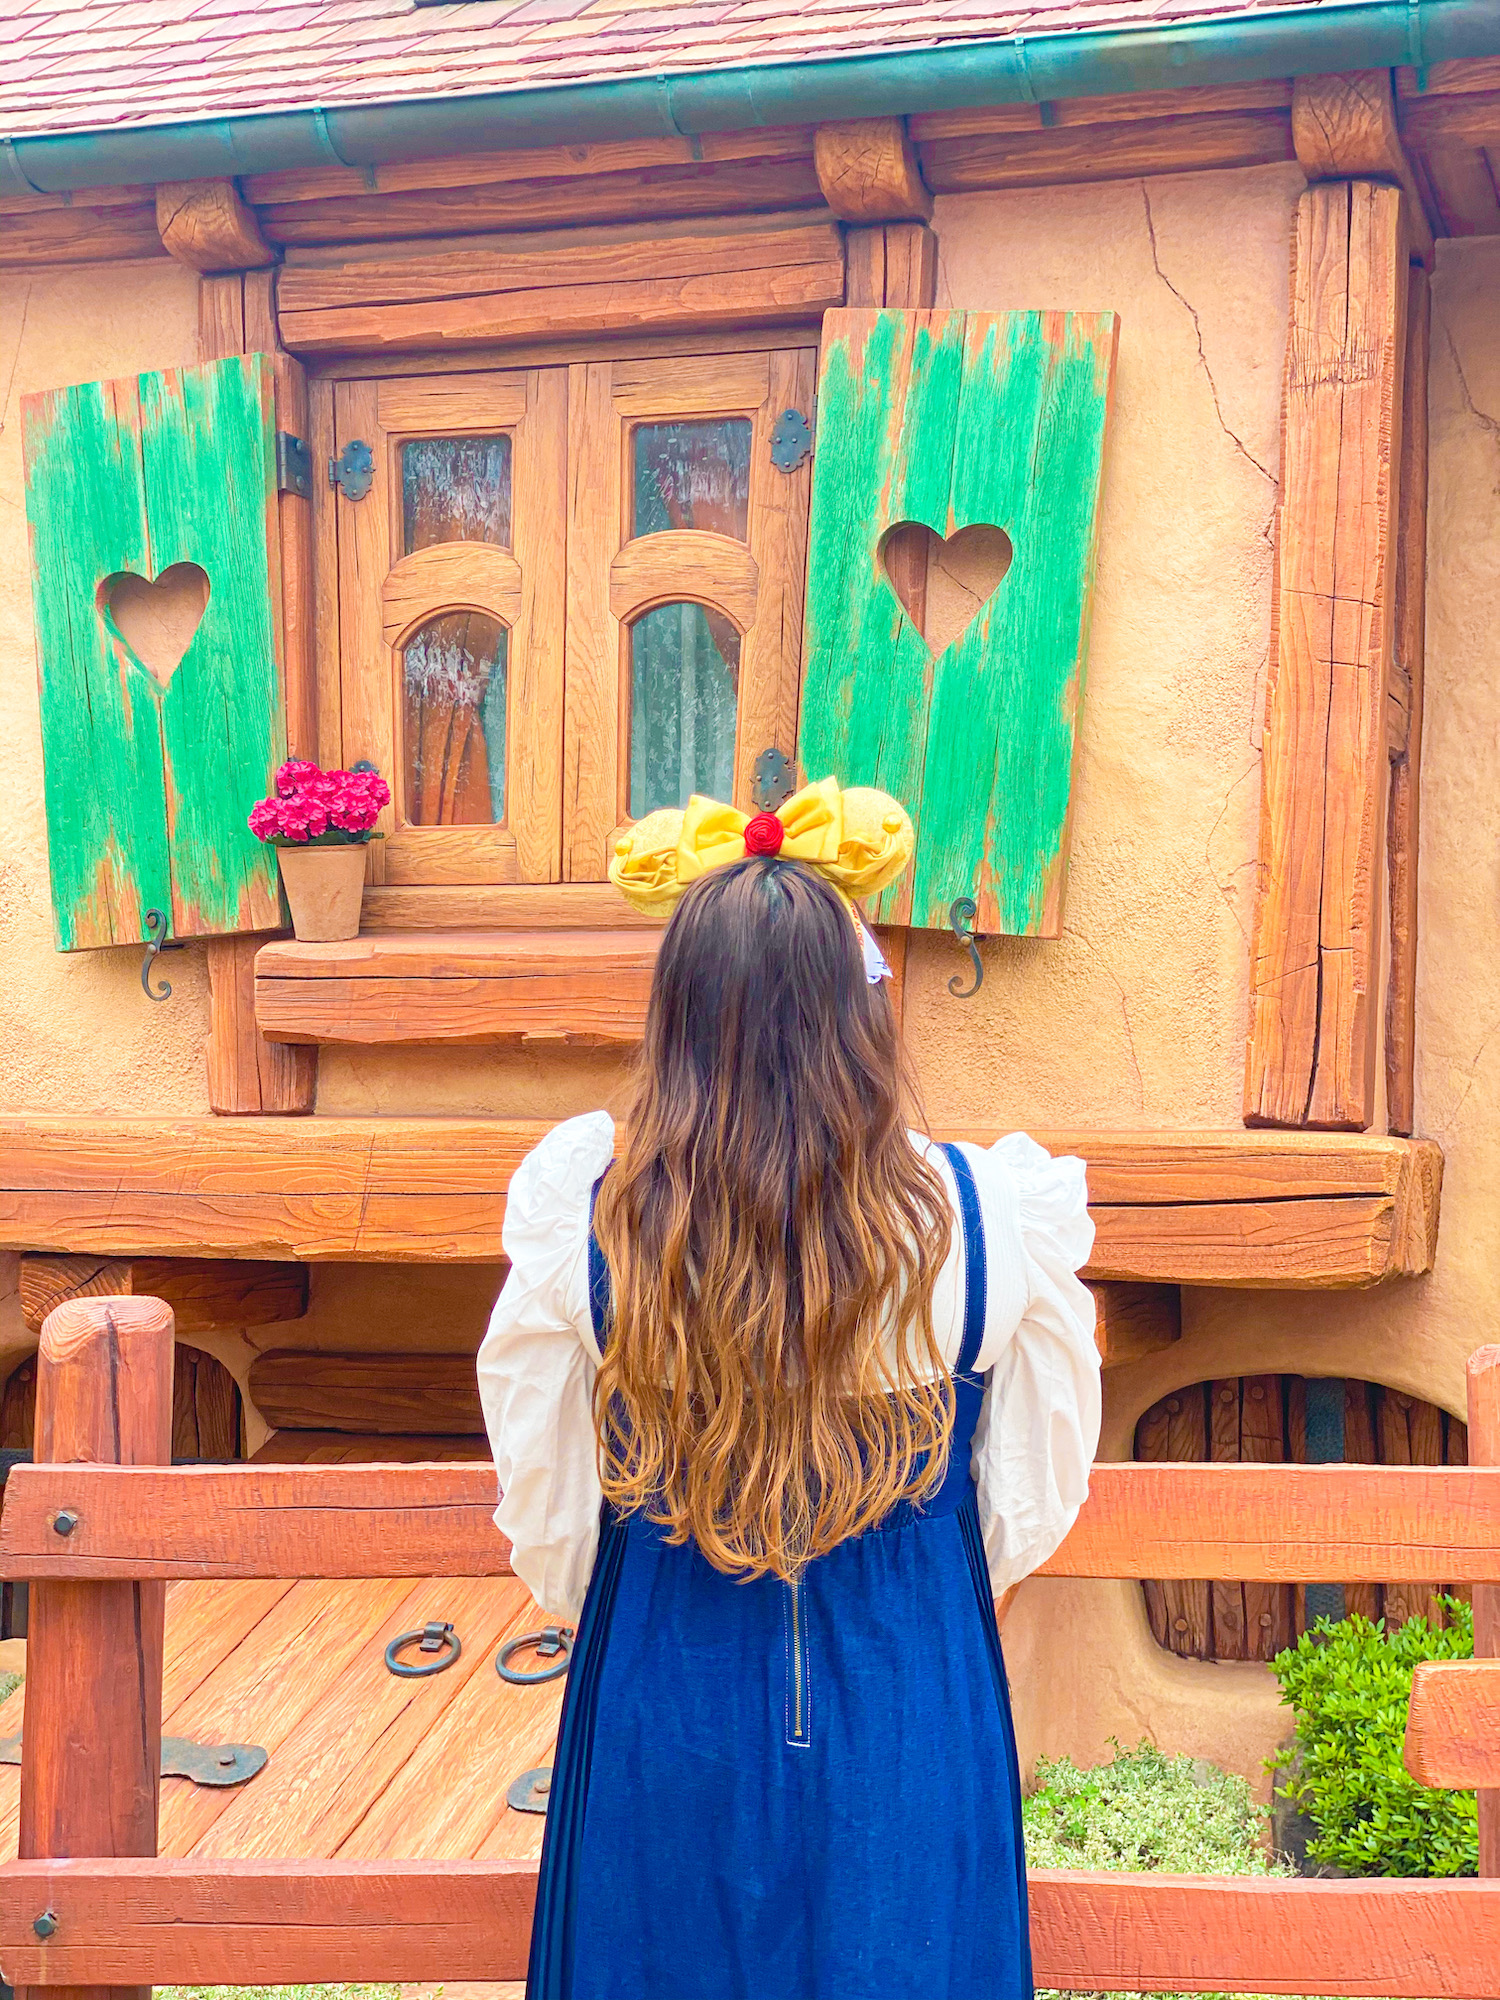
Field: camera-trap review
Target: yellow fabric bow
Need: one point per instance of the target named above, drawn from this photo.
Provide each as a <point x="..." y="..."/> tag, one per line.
<point x="859" y="839"/>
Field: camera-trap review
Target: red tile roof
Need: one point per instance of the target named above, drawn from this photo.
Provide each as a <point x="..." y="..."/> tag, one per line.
<point x="87" y="65"/>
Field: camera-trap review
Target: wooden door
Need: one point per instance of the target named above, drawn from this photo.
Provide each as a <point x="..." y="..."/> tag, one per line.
<point x="687" y="550"/>
<point x="451" y="574"/>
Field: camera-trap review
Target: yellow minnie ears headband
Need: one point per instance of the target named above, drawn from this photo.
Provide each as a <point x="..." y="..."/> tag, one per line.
<point x="859" y="840"/>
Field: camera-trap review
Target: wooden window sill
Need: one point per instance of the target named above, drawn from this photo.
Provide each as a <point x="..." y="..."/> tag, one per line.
<point x="1293" y="1211"/>
<point x="535" y="987"/>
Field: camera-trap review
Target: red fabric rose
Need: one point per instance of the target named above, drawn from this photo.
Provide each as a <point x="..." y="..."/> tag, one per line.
<point x="764" y="834"/>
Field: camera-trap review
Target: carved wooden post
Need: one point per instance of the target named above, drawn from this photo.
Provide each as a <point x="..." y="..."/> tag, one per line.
<point x="1484" y="1449"/>
<point x="91" y="1748"/>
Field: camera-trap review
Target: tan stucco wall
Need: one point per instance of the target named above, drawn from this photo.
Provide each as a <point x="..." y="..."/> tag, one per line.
<point x="1136" y="1015"/>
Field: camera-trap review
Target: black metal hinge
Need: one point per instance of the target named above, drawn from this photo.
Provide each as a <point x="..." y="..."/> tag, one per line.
<point x="205" y="1763"/>
<point x="293" y="465"/>
<point x="353" y="471"/>
<point x="791" y="441"/>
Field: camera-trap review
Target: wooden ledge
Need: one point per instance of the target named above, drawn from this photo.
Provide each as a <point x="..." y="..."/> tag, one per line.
<point x="531" y="987"/>
<point x="1268" y="1210"/>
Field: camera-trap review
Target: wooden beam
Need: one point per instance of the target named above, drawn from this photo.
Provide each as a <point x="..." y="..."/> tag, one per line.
<point x="1316" y="958"/>
<point x="206" y="1295"/>
<point x="206" y="225"/>
<point x="1483" y="1381"/>
<point x="1255" y="1522"/>
<point x="1344" y="128"/>
<point x="489" y="291"/>
<point x="475" y="986"/>
<point x="433" y="1395"/>
<point x="1262" y="1209"/>
<point x="246" y="1073"/>
<point x="1453" y="1724"/>
<point x="87" y="226"/>
<point x="1062" y="154"/>
<point x="867" y="169"/>
<point x="1404" y="713"/>
<point x="1254" y="1934"/>
<point x="91" y="1748"/>
<point x="508" y="906"/>
<point x="1134" y="1320"/>
<point x="200" y="1923"/>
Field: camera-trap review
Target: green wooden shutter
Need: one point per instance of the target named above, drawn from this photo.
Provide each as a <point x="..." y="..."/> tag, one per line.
<point x="953" y="420"/>
<point x="148" y="784"/>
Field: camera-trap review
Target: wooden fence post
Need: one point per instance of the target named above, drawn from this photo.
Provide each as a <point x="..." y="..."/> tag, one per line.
<point x="1484" y="1449"/>
<point x="91" y="1748"/>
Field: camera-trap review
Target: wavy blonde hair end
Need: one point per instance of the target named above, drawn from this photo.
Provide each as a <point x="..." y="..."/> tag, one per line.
<point x="771" y="1384"/>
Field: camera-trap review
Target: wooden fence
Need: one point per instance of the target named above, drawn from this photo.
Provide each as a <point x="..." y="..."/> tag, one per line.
<point x="99" y="1527"/>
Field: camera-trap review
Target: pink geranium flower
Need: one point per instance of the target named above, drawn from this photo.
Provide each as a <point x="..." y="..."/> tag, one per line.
<point x="308" y="804"/>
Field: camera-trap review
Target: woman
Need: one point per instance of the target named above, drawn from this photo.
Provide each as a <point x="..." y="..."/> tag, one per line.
<point x="835" y="1386"/>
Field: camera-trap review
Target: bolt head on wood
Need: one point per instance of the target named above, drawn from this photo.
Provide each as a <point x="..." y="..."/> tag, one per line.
<point x="45" y="1924"/>
<point x="65" y="1522"/>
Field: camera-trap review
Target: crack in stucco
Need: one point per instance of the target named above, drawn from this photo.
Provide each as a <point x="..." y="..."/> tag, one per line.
<point x="1491" y="424"/>
<point x="1223" y="887"/>
<point x="1140" y="1081"/>
<point x="15" y="359"/>
<point x="1192" y="313"/>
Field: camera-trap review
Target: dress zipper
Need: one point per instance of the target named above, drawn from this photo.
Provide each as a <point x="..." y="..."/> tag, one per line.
<point x="797" y="1688"/>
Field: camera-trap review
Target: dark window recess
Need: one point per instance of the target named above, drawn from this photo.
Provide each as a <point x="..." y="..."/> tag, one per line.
<point x="1271" y="1419"/>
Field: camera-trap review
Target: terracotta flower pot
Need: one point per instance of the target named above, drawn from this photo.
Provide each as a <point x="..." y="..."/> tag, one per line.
<point x="324" y="886"/>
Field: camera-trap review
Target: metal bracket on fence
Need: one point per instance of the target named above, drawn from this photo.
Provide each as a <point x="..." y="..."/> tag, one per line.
<point x="531" y="1791"/>
<point x="205" y="1763"/>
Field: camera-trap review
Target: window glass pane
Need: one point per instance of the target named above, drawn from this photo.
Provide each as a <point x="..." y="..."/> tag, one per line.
<point x="453" y="679"/>
<point x="693" y="476"/>
<point x="684" y="674"/>
<point x="455" y="489"/>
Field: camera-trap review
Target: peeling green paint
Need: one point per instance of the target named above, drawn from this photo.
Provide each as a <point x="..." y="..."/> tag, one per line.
<point x="953" y="420"/>
<point x="148" y="788"/>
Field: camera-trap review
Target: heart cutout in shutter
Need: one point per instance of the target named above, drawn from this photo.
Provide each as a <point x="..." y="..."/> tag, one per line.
<point x="156" y="620"/>
<point x="944" y="585"/>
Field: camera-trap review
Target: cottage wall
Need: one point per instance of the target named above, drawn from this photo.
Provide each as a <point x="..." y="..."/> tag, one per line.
<point x="1136" y="1017"/>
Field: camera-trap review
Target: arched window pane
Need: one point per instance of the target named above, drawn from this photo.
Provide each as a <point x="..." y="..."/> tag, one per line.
<point x="693" y="475"/>
<point x="454" y="686"/>
<point x="455" y="489"/>
<point x="684" y="686"/>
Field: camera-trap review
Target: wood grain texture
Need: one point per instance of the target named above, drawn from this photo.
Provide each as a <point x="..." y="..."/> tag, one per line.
<point x="1134" y="1320"/>
<point x="557" y="906"/>
<point x="1259" y="1523"/>
<point x="91" y="1745"/>
<point x="684" y="563"/>
<point x="488" y="292"/>
<point x="1404" y="708"/>
<point x="387" y="1394"/>
<point x="246" y="1073"/>
<point x="197" y="1923"/>
<point x="1344" y="127"/>
<point x="206" y="225"/>
<point x="206" y="1296"/>
<point x="1063" y="154"/>
<point x="638" y="196"/>
<point x="593" y="722"/>
<point x="94" y="228"/>
<point x="1165" y="1933"/>
<point x="1483" y="1385"/>
<point x="867" y="169"/>
<point x="1261" y="1209"/>
<point x="148" y="784"/>
<point x="1453" y="1724"/>
<point x="449" y="576"/>
<point x="1315" y="961"/>
<point x="459" y="987"/>
<point x="932" y="419"/>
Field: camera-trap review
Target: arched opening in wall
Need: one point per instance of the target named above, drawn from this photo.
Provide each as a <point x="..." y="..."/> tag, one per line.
<point x="1267" y="1419"/>
<point x="208" y="1421"/>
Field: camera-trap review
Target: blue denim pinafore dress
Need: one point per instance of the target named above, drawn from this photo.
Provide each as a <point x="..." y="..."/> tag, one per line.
<point x="772" y="1791"/>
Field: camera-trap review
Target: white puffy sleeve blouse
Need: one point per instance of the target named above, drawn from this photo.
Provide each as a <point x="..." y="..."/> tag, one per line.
<point x="1037" y="1430"/>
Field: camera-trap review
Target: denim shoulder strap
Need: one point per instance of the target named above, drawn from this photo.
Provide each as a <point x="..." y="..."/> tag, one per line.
<point x="599" y="1298"/>
<point x="975" y="1293"/>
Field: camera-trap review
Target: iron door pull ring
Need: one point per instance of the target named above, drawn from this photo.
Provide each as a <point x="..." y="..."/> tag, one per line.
<point x="550" y="1641"/>
<point x="437" y="1637"/>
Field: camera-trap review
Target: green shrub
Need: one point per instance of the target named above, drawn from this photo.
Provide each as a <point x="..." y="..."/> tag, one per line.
<point x="1143" y="1810"/>
<point x="1349" y="1685"/>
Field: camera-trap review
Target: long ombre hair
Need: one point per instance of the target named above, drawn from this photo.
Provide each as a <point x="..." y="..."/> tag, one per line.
<point x="772" y="1383"/>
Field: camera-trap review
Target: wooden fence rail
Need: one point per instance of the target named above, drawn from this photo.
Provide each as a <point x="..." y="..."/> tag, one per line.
<point x="1257" y="1523"/>
<point x="98" y="1534"/>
